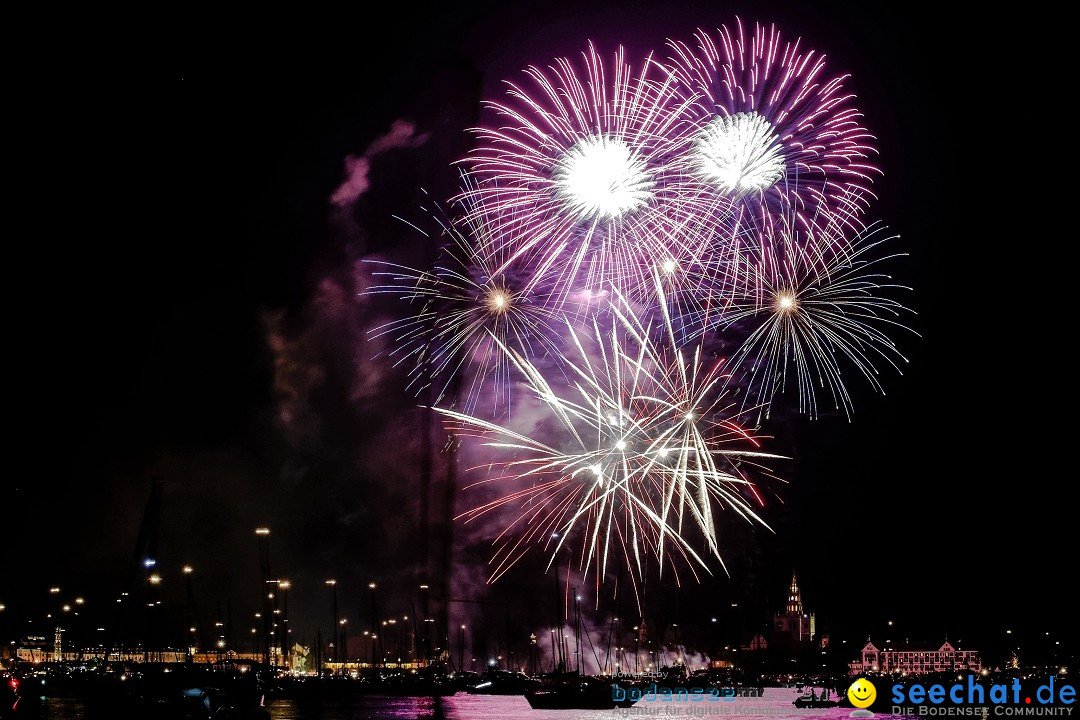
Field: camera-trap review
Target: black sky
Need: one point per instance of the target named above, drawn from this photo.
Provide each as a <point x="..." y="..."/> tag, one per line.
<point x="174" y="218"/>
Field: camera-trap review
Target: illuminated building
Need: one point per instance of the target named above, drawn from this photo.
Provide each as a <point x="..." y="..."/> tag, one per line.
<point x="915" y="659"/>
<point x="794" y="626"/>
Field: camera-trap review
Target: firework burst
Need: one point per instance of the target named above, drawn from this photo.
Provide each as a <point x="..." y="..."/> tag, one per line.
<point x="581" y="175"/>
<point x="774" y="131"/>
<point x="461" y="310"/>
<point x="617" y="226"/>
<point x="804" y="316"/>
<point x="645" y="448"/>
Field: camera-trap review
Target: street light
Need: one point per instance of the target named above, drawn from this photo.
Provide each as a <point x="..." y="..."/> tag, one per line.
<point x="190" y="602"/>
<point x="424" y="625"/>
<point x="344" y="643"/>
<point x="461" y="650"/>
<point x="374" y="623"/>
<point x="334" y="642"/>
<point x="263" y="535"/>
<point x="286" y="647"/>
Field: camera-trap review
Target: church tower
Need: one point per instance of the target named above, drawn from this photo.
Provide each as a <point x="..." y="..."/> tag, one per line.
<point x="794" y="600"/>
<point x="795" y="626"/>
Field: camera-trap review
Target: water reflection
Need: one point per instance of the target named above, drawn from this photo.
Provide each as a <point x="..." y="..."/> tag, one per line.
<point x="63" y="709"/>
<point x="464" y="706"/>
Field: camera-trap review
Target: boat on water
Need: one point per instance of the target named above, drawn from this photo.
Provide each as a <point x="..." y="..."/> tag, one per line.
<point x="503" y="682"/>
<point x="814" y="700"/>
<point x="573" y="691"/>
<point x="414" y="685"/>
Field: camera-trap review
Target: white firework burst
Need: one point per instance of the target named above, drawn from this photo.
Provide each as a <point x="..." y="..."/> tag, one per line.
<point x="739" y="153"/>
<point x="646" y="449"/>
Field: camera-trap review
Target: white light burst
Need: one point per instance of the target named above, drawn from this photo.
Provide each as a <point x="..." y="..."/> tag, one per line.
<point x="643" y="449"/>
<point x="601" y="178"/>
<point x="739" y="153"/>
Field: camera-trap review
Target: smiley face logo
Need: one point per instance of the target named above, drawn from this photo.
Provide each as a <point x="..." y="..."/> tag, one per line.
<point x="862" y="693"/>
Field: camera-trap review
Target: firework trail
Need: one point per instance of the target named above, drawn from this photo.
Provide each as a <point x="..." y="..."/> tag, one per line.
<point x="582" y="175"/>
<point x="803" y="316"/>
<point x="471" y="301"/>
<point x="774" y="131"/>
<point x="645" y="447"/>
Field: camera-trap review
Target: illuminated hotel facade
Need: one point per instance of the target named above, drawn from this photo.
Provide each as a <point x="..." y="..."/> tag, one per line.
<point x="915" y="659"/>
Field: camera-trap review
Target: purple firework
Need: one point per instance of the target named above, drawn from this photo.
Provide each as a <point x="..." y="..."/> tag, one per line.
<point x="774" y="130"/>
<point x="582" y="174"/>
<point x="460" y="309"/>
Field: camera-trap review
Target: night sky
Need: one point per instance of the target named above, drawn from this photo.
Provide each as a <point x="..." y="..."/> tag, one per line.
<point x="183" y="305"/>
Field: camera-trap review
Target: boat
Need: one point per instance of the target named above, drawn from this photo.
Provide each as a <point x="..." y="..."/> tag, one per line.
<point x="579" y="692"/>
<point x="813" y="700"/>
<point x="414" y="685"/>
<point x="503" y="682"/>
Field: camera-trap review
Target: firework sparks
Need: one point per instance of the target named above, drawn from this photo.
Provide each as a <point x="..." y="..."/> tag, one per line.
<point x="803" y="316"/>
<point x="775" y="131"/>
<point x="583" y="177"/>
<point x="646" y="449"/>
<point x="463" y="307"/>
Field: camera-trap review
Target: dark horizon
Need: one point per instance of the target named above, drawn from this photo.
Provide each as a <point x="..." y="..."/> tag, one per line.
<point x="196" y="326"/>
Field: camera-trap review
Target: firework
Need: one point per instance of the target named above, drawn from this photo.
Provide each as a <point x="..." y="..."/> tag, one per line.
<point x="804" y="316"/>
<point x="581" y="174"/>
<point x="774" y="131"/>
<point x="620" y="232"/>
<point x="460" y="310"/>
<point x="644" y="450"/>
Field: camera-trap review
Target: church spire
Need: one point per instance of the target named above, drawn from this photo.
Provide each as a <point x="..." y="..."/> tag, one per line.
<point x="794" y="601"/>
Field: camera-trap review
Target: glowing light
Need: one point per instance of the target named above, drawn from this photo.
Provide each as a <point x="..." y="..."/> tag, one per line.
<point x="188" y="569"/>
<point x="498" y="301"/>
<point x="620" y="444"/>
<point x="739" y="153"/>
<point x="669" y="266"/>
<point x="154" y="579"/>
<point x="786" y="302"/>
<point x="600" y="178"/>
